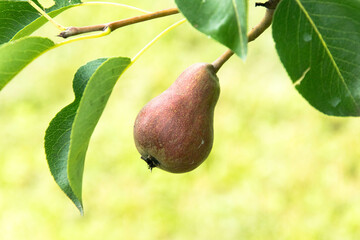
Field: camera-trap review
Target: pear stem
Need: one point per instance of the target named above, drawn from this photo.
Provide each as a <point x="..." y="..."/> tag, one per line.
<point x="222" y="59"/>
<point x="254" y="33"/>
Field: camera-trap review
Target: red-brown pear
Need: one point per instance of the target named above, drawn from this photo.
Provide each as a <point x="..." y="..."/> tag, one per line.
<point x="174" y="131"/>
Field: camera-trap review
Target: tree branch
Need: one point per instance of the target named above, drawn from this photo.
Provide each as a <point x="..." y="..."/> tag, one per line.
<point x="252" y="35"/>
<point x="271" y="4"/>
<point x="72" y="31"/>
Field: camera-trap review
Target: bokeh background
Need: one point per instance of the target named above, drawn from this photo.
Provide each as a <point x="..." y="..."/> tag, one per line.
<point x="279" y="169"/>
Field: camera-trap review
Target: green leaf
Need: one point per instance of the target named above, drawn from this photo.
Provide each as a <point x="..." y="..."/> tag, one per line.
<point x="223" y="20"/>
<point x="17" y="54"/>
<point x="319" y="45"/>
<point x="15" y="15"/>
<point x="19" y="19"/>
<point x="63" y="3"/>
<point x="68" y="135"/>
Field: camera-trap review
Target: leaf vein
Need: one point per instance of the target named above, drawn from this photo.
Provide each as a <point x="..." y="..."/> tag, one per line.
<point x="327" y="51"/>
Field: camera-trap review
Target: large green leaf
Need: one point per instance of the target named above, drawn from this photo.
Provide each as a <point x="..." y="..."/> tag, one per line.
<point x="68" y="135"/>
<point x="319" y="44"/>
<point x="19" y="19"/>
<point x="17" y="54"/>
<point x="223" y="20"/>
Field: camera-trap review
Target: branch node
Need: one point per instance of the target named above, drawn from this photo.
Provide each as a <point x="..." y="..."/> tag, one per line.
<point x="271" y="4"/>
<point x="259" y="4"/>
<point x="68" y="32"/>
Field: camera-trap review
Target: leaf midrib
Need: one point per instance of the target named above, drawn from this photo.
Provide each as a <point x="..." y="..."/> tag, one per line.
<point x="238" y="23"/>
<point x="326" y="49"/>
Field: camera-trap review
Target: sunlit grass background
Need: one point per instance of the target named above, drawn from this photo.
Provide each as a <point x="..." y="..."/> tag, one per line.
<point x="279" y="169"/>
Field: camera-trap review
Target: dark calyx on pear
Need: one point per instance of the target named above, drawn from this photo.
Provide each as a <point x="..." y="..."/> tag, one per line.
<point x="174" y="131"/>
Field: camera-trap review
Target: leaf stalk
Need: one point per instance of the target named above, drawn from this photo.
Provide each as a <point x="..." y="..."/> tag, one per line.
<point x="156" y="38"/>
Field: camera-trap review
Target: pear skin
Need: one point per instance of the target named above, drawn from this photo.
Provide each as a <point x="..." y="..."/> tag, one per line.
<point x="174" y="131"/>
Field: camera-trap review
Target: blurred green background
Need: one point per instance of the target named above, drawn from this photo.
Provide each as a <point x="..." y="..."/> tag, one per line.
<point x="279" y="169"/>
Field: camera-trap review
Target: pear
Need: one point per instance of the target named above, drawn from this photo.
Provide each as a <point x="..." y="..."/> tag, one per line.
<point x="174" y="131"/>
